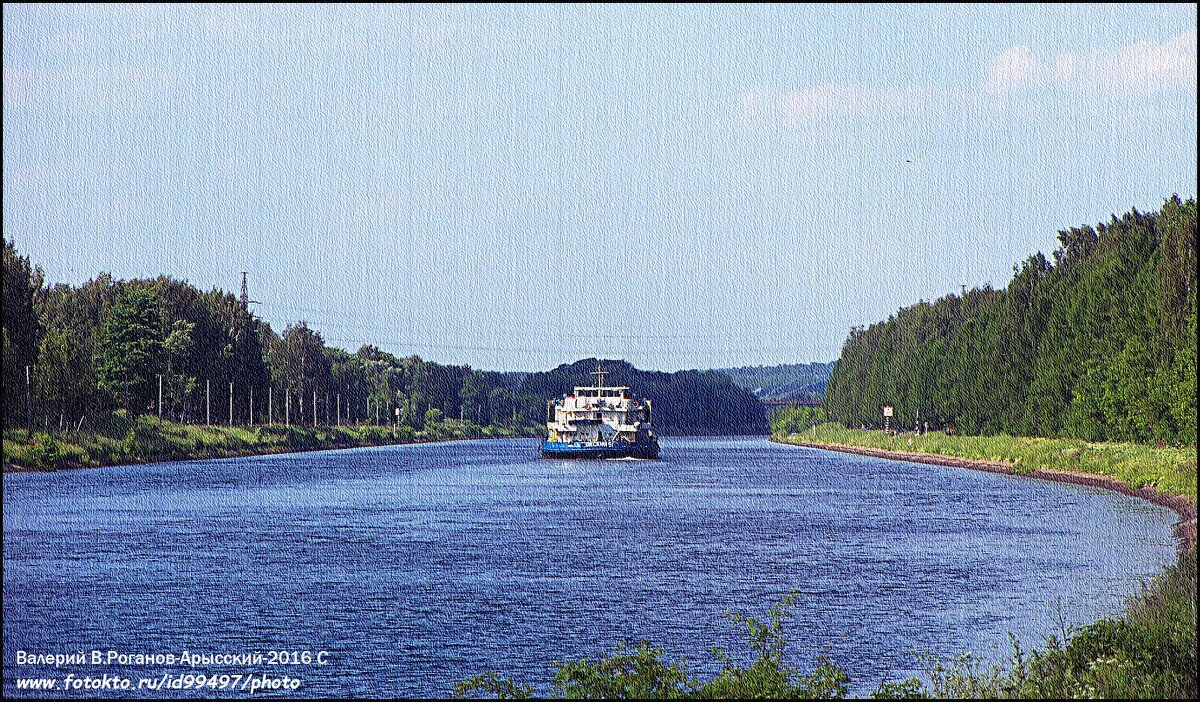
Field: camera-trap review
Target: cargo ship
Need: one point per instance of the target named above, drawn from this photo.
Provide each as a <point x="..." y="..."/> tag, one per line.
<point x="598" y="421"/>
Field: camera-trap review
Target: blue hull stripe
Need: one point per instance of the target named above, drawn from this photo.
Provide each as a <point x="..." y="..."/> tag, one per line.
<point x="563" y="449"/>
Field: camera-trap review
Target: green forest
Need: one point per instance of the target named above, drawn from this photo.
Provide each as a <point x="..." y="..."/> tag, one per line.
<point x="97" y="356"/>
<point x="1097" y="342"/>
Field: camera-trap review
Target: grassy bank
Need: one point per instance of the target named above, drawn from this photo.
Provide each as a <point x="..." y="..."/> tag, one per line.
<point x="150" y="440"/>
<point x="1168" y="470"/>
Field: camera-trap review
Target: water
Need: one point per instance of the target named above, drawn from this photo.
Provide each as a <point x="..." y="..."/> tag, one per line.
<point x="416" y="566"/>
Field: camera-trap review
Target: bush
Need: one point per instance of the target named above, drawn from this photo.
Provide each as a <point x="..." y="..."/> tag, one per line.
<point x="641" y="672"/>
<point x="46" y="451"/>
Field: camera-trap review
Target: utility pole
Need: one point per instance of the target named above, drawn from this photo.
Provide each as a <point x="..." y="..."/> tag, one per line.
<point x="287" y="408"/>
<point x="160" y="397"/>
<point x="339" y="409"/>
<point x="270" y="405"/>
<point x="251" y="405"/>
<point x="29" y="399"/>
<point x="314" y="408"/>
<point x="207" y="403"/>
<point x="231" y="403"/>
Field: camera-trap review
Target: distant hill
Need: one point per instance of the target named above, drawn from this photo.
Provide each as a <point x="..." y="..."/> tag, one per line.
<point x="785" y="382"/>
<point x="685" y="402"/>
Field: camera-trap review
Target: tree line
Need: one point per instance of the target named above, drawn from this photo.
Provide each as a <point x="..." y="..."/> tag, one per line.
<point x="1097" y="342"/>
<point x="101" y="353"/>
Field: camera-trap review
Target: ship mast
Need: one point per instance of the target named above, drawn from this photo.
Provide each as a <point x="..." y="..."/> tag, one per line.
<point x="599" y="373"/>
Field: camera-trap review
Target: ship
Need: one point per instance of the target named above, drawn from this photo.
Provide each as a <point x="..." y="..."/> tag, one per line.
<point x="599" y="421"/>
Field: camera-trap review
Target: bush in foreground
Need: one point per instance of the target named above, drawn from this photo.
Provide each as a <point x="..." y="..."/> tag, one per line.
<point x="641" y="672"/>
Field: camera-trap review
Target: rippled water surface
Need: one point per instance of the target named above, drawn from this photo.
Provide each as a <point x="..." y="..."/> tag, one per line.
<point x="417" y="566"/>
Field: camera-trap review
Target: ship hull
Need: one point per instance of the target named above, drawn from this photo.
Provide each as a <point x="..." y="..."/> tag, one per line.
<point x="617" y="449"/>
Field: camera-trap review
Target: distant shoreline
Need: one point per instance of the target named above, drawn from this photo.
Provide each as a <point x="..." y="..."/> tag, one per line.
<point x="274" y="451"/>
<point x="1184" y="531"/>
<point x="274" y="440"/>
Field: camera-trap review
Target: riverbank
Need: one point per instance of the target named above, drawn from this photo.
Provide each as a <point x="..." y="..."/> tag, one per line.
<point x="1163" y="476"/>
<point x="1147" y="652"/>
<point x="150" y="440"/>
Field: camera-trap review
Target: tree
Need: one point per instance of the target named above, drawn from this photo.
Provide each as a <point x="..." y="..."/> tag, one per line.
<point x="299" y="365"/>
<point x="129" y="350"/>
<point x="181" y="383"/>
<point x="21" y="330"/>
<point x="474" y="397"/>
<point x="501" y="405"/>
<point x="64" y="378"/>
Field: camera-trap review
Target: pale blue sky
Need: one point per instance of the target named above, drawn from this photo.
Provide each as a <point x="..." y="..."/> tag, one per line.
<point x="516" y="187"/>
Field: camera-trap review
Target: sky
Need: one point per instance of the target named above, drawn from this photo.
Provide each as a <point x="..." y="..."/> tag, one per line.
<point x="516" y="187"/>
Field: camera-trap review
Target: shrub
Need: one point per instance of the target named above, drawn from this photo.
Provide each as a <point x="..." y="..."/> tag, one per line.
<point x="46" y="451"/>
<point x="641" y="672"/>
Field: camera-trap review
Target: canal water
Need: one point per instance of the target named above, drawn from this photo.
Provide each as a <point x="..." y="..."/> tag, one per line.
<point x="405" y="569"/>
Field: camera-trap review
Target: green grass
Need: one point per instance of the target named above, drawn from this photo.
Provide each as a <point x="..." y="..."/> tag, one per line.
<point x="149" y="439"/>
<point x="1169" y="470"/>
